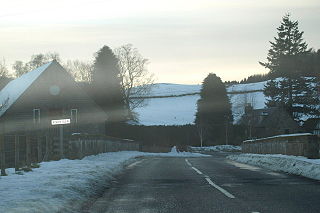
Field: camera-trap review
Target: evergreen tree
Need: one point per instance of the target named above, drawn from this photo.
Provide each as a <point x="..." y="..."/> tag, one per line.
<point x="214" y="110"/>
<point x="106" y="88"/>
<point x="288" y="45"/>
<point x="290" y="59"/>
<point x="271" y="91"/>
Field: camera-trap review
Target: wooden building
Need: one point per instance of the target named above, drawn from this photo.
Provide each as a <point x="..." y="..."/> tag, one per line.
<point x="29" y="103"/>
<point x="312" y="125"/>
<point x="268" y="122"/>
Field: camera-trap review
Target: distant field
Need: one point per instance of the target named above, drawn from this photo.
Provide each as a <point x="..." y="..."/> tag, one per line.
<point x="176" y="104"/>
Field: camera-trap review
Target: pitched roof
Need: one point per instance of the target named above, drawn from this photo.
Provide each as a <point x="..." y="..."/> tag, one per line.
<point x="267" y="117"/>
<point x="15" y="88"/>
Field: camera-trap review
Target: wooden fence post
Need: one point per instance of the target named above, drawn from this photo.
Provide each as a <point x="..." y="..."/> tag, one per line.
<point x="80" y="149"/>
<point x="28" y="151"/>
<point x="46" y="155"/>
<point x="61" y="142"/>
<point x="39" y="148"/>
<point x="2" y="154"/>
<point x="16" y="153"/>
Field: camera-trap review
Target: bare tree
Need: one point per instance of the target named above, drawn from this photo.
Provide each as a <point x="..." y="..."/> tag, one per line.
<point x="200" y="129"/>
<point x="3" y="69"/>
<point x="136" y="81"/>
<point x="36" y="61"/>
<point x="80" y="70"/>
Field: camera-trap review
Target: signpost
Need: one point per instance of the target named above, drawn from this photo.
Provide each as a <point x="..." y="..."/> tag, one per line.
<point x="60" y="122"/>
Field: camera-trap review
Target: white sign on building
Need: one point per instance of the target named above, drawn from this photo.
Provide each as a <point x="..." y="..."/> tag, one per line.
<point x="60" y="122"/>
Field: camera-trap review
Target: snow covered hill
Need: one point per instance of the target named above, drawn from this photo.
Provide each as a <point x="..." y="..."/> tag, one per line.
<point x="166" y="89"/>
<point x="176" y="104"/>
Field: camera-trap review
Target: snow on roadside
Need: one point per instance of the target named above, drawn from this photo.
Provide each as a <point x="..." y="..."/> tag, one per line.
<point x="218" y="148"/>
<point x="63" y="185"/>
<point x="296" y="165"/>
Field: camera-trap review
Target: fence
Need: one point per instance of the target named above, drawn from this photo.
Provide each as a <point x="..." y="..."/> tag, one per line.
<point x="296" y="144"/>
<point x="17" y="151"/>
<point x="80" y="147"/>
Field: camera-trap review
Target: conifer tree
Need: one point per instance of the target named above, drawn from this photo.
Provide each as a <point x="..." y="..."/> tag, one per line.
<point x="287" y="60"/>
<point x="106" y="88"/>
<point x="213" y="110"/>
<point x="288" y="45"/>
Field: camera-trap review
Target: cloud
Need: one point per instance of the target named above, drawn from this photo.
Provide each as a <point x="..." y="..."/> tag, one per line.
<point x="179" y="37"/>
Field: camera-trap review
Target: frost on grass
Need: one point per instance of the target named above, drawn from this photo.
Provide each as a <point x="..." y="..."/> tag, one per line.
<point x="296" y="165"/>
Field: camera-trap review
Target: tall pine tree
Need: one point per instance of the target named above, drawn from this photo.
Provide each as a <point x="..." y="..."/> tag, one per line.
<point x="214" y="111"/>
<point x="285" y="49"/>
<point x="287" y="59"/>
<point x="106" y="87"/>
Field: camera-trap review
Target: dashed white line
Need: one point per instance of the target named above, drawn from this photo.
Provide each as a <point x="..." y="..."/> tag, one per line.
<point x="188" y="162"/>
<point x="197" y="170"/>
<point x="225" y="192"/>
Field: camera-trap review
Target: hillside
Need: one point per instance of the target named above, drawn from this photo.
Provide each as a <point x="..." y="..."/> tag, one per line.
<point x="176" y="104"/>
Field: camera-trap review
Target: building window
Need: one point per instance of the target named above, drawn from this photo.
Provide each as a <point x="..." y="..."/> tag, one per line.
<point x="36" y="116"/>
<point x="74" y="115"/>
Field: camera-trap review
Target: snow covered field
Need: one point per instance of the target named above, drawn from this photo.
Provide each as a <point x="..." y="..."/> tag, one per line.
<point x="218" y="148"/>
<point x="165" y="89"/>
<point x="63" y="185"/>
<point x="296" y="165"/>
<point x="168" y="111"/>
<point x="181" y="110"/>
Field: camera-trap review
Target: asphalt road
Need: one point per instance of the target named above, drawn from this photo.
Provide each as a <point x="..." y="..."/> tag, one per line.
<point x="212" y="184"/>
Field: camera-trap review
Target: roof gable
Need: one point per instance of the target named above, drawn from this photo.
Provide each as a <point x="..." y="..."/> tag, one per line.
<point x="15" y="88"/>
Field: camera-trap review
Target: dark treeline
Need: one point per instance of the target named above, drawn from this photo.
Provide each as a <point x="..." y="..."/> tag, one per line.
<point x="255" y="78"/>
<point x="168" y="136"/>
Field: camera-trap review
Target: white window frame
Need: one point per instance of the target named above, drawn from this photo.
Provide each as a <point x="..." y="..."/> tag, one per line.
<point x="74" y="119"/>
<point x="38" y="112"/>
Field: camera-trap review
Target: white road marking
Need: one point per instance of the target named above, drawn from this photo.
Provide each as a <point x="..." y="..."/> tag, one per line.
<point x="197" y="170"/>
<point x="188" y="162"/>
<point x="225" y="192"/>
<point x="244" y="166"/>
<point x="135" y="163"/>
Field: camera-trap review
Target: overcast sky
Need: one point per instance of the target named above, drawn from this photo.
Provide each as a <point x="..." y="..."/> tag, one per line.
<point x="184" y="40"/>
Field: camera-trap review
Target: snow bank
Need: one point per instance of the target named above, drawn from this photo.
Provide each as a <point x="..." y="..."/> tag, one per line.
<point x="296" y="165"/>
<point x="63" y="185"/>
<point x="218" y="148"/>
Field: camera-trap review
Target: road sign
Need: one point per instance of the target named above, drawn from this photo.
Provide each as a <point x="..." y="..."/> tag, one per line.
<point x="60" y="122"/>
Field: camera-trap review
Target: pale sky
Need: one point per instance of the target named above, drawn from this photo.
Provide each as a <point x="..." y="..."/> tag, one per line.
<point x="184" y="40"/>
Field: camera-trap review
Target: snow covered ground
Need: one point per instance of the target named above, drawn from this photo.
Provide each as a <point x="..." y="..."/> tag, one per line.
<point x="168" y="111"/>
<point x="247" y="87"/>
<point x="166" y="89"/>
<point x="181" y="110"/>
<point x="296" y="165"/>
<point x="63" y="185"/>
<point x="218" y="148"/>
